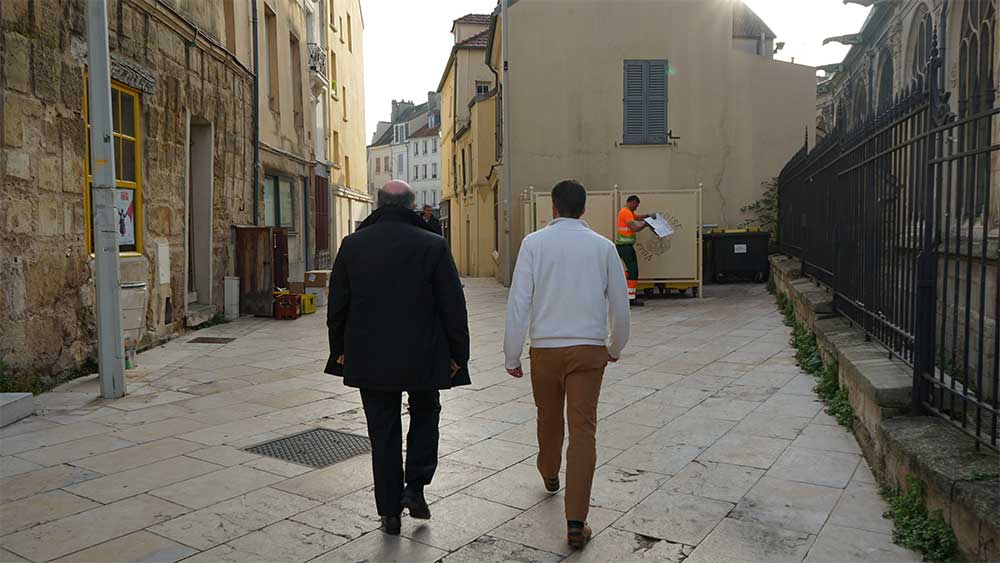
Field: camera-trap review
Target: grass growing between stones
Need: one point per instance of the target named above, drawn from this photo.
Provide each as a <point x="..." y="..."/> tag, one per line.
<point x="809" y="358"/>
<point x="914" y="527"/>
<point x="917" y="528"/>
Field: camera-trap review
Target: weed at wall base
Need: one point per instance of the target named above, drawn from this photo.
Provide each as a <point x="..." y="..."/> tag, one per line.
<point x="914" y="526"/>
<point x="917" y="528"/>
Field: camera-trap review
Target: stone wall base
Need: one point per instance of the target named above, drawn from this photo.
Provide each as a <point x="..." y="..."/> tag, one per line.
<point x="894" y="442"/>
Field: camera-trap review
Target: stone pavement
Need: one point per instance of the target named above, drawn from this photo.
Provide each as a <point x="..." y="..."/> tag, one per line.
<point x="712" y="447"/>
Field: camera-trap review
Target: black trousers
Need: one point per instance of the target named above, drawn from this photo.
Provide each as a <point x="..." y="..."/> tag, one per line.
<point x="385" y="430"/>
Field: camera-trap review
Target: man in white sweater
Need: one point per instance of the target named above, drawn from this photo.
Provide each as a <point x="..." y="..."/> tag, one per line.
<point x="567" y="282"/>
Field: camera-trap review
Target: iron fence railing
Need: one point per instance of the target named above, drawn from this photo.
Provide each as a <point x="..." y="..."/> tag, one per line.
<point x="896" y="218"/>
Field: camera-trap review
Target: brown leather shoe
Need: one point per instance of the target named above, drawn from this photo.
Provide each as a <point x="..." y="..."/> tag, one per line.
<point x="551" y="485"/>
<point x="578" y="535"/>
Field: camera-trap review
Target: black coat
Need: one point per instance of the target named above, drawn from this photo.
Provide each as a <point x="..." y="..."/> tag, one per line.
<point x="433" y="224"/>
<point x="397" y="311"/>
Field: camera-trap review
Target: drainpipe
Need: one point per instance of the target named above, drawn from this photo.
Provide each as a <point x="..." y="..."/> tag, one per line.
<point x="256" y="112"/>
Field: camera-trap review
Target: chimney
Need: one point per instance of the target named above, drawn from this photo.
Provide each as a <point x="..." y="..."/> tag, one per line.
<point x="395" y="111"/>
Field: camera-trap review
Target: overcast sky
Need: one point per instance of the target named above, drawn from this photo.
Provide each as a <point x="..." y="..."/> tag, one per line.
<point x="407" y="43"/>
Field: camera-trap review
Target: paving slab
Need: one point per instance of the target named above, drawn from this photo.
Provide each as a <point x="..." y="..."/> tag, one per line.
<point x="487" y="549"/>
<point x="838" y="543"/>
<point x="544" y="526"/>
<point x="674" y="517"/>
<point x="719" y="481"/>
<point x="140" y="546"/>
<point x="24" y="485"/>
<point x="734" y="541"/>
<point x="383" y="548"/>
<point x="38" y="509"/>
<point x="77" y="532"/>
<point x="458" y="520"/>
<point x="833" y="469"/>
<point x="217" y="486"/>
<point x="623" y="546"/>
<point x="788" y="505"/>
<point x="219" y="523"/>
<point x="143" y="479"/>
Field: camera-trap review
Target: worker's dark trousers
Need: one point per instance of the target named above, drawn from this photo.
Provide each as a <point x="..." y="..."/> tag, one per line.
<point x="385" y="430"/>
<point x="631" y="261"/>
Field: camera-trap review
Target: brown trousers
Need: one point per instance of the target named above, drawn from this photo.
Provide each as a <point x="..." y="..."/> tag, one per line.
<point x="569" y="377"/>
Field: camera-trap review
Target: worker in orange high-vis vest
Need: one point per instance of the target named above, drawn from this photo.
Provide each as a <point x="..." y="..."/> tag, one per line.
<point x="630" y="223"/>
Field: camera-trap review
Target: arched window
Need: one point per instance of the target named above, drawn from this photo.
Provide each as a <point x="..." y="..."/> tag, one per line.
<point x="860" y="111"/>
<point x="840" y="116"/>
<point x="976" y="94"/>
<point x="976" y="91"/>
<point x="920" y="43"/>
<point x="885" y="80"/>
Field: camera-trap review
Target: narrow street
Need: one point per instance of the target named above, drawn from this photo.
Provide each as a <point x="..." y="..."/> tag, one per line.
<point x="712" y="447"/>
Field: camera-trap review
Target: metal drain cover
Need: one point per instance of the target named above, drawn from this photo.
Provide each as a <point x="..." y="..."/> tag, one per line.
<point x="318" y="447"/>
<point x="210" y="340"/>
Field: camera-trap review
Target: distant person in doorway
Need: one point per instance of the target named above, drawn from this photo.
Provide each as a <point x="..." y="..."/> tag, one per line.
<point x="630" y="223"/>
<point x="567" y="282"/>
<point x="432" y="222"/>
<point x="398" y="323"/>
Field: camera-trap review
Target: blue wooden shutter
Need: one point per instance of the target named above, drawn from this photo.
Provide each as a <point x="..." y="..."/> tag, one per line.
<point x="633" y="102"/>
<point x="655" y="112"/>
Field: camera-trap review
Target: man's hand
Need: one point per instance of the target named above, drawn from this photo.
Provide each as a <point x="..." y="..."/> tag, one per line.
<point x="612" y="359"/>
<point x="516" y="372"/>
<point x="454" y="369"/>
<point x="340" y="360"/>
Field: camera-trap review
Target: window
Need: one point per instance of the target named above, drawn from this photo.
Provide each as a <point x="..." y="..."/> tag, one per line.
<point x="424" y="170"/>
<point x="496" y="219"/>
<point x="482" y="88"/>
<point x="425" y="146"/>
<point x="645" y="102"/>
<point x="341" y="28"/>
<point x="378" y="165"/>
<point x="416" y="172"/>
<point x="230" y="16"/>
<point x="344" y="102"/>
<point x="464" y="181"/>
<point x="399" y="164"/>
<point x="454" y="173"/>
<point x="350" y="34"/>
<point x="322" y="207"/>
<point x="434" y="146"/>
<point x="385" y="164"/>
<point x="399" y="133"/>
<point x="125" y="115"/>
<point x="271" y="43"/>
<point x="333" y="18"/>
<point x="347" y="170"/>
<point x="279" y="202"/>
<point x="333" y="72"/>
<point x="434" y="170"/>
<point x="336" y="147"/>
<point x="296" y="62"/>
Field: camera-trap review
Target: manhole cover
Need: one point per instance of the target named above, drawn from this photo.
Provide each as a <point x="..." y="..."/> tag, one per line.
<point x="210" y="340"/>
<point x="318" y="447"/>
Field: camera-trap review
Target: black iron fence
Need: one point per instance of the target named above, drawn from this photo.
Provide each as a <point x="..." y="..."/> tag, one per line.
<point x="896" y="218"/>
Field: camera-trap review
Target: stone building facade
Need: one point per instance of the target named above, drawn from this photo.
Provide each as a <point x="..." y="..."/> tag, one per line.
<point x="184" y="127"/>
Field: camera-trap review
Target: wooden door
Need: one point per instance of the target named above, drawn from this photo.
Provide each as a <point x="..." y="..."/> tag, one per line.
<point x="254" y="266"/>
<point x="279" y="239"/>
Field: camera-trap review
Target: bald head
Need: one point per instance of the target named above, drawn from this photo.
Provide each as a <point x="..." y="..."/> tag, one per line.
<point x="398" y="193"/>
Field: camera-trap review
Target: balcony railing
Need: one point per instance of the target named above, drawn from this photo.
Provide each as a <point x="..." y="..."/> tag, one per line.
<point x="317" y="59"/>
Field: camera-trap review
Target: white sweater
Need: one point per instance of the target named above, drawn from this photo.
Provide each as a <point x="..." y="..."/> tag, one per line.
<point x="566" y="281"/>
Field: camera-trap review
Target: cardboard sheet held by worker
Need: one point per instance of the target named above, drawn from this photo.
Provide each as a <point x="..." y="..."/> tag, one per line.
<point x="660" y="225"/>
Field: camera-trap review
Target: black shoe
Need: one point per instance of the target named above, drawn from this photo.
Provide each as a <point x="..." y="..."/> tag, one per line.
<point x="637" y="303"/>
<point x="413" y="500"/>
<point x="391" y="525"/>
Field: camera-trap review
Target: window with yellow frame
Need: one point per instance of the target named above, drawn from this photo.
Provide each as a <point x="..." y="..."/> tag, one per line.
<point x="125" y="112"/>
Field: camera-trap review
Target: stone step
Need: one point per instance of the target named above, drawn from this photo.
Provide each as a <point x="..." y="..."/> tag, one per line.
<point x="15" y="406"/>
